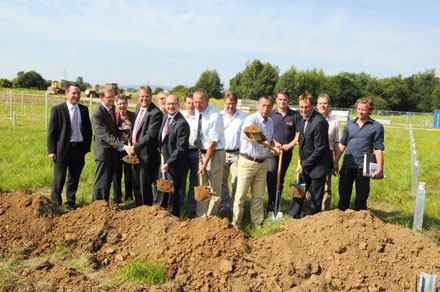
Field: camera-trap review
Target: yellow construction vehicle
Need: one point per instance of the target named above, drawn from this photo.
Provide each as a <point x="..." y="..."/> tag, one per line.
<point x="93" y="90"/>
<point x="117" y="90"/>
<point x="56" y="88"/>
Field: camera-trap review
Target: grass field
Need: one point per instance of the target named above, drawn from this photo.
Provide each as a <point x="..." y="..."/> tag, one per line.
<point x="24" y="164"/>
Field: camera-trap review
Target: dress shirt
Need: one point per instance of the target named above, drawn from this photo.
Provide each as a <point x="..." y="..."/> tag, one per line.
<point x="361" y="140"/>
<point x="212" y="128"/>
<point x="70" y="107"/>
<point x="285" y="127"/>
<point x="233" y="129"/>
<point x="334" y="131"/>
<point x="138" y="117"/>
<point x="253" y="149"/>
<point x="192" y="121"/>
<point x="169" y="123"/>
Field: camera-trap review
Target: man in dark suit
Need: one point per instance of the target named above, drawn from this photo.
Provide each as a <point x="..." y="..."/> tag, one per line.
<point x="174" y="145"/>
<point x="68" y="140"/>
<point x="145" y="142"/>
<point x="107" y="145"/>
<point x="314" y="153"/>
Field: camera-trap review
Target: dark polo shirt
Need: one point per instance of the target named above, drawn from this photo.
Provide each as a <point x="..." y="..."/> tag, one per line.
<point x="285" y="128"/>
<point x="361" y="140"/>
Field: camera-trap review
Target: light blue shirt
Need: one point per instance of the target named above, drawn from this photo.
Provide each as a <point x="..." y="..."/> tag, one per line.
<point x="212" y="128"/>
<point x="70" y="107"/>
<point x="233" y="128"/>
<point x="253" y="149"/>
<point x="192" y="121"/>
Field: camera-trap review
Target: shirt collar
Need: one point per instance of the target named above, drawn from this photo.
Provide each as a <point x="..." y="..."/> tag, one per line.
<point x="108" y="108"/>
<point x="70" y="106"/>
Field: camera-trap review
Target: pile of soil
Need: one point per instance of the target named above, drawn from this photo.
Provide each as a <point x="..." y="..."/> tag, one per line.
<point x="330" y="251"/>
<point x="165" y="186"/>
<point x="202" y="193"/>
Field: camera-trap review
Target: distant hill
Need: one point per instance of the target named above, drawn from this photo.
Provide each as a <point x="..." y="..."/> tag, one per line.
<point x="153" y="87"/>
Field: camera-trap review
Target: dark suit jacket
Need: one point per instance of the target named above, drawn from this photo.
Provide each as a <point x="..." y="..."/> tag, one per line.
<point x="175" y="143"/>
<point x="60" y="130"/>
<point x="106" y="141"/>
<point x="314" y="148"/>
<point x="147" y="135"/>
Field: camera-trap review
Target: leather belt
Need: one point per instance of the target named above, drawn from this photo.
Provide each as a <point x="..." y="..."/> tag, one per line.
<point x="232" y="151"/>
<point x="75" y="144"/>
<point x="204" y="150"/>
<point x="252" y="159"/>
<point x="193" y="150"/>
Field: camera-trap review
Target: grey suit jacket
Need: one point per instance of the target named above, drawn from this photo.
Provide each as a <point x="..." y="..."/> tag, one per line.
<point x="106" y="141"/>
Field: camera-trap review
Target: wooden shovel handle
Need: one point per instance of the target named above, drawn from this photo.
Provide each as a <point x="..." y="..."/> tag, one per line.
<point x="280" y="162"/>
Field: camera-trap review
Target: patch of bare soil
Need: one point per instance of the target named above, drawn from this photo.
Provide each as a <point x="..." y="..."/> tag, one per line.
<point x="331" y="251"/>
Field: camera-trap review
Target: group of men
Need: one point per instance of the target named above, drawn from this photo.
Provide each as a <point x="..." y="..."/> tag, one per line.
<point x="211" y="146"/>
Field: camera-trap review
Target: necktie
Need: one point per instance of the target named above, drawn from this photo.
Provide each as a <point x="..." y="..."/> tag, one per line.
<point x="75" y="130"/>
<point x="137" y="126"/>
<point x="165" y="128"/>
<point x="301" y="135"/>
<point x="199" y="133"/>
<point x="112" y="115"/>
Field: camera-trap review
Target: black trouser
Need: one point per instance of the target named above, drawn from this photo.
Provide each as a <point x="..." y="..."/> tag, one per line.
<point x="316" y="187"/>
<point x="74" y="161"/>
<point x="122" y="167"/>
<point x="173" y="198"/>
<point x="347" y="176"/>
<point x="103" y="178"/>
<point x="272" y="171"/>
<point x="142" y="180"/>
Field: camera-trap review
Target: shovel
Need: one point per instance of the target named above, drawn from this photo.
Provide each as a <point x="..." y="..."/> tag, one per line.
<point x="201" y="193"/>
<point x="163" y="184"/>
<point x="131" y="158"/>
<point x="256" y="135"/>
<point x="275" y="215"/>
<point x="298" y="190"/>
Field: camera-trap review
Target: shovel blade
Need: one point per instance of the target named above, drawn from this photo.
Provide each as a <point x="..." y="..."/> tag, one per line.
<point x="273" y="217"/>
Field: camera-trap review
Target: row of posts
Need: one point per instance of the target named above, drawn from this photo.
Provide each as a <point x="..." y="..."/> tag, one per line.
<point x="9" y="102"/>
<point x="417" y="188"/>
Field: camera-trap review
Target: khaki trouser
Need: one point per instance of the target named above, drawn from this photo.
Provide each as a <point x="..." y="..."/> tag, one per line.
<point x="231" y="161"/>
<point x="326" y="200"/>
<point x="251" y="174"/>
<point x="213" y="178"/>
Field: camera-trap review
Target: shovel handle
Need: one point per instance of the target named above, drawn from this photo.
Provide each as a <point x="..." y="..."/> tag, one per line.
<point x="161" y="165"/>
<point x="280" y="162"/>
<point x="200" y="166"/>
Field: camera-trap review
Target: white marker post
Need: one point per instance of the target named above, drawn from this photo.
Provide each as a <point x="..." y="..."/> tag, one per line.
<point x="14" y="119"/>
<point x="419" y="208"/>
<point x="10" y="103"/>
<point x="22" y="100"/>
<point x="91" y="105"/>
<point x="46" y="109"/>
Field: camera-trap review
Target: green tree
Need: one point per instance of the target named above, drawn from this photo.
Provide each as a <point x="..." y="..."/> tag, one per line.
<point x="180" y="91"/>
<point x="30" y="79"/>
<point x="5" y="83"/>
<point x="256" y="80"/>
<point x="287" y="82"/>
<point x="210" y="81"/>
<point x="421" y="86"/>
<point x="312" y="81"/>
<point x="158" y="90"/>
<point x="348" y="92"/>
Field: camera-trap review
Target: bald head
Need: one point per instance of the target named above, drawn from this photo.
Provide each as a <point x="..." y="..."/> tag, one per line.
<point x="172" y="104"/>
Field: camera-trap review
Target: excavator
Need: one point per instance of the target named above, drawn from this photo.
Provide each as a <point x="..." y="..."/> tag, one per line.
<point x="56" y="88"/>
<point x="116" y="90"/>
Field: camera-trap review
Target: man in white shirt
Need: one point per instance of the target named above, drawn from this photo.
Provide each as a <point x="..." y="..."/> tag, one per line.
<point x="191" y="117"/>
<point x="233" y="121"/>
<point x="211" y="142"/>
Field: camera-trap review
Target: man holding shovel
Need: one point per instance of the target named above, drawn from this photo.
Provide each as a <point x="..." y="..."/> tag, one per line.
<point x="251" y="167"/>
<point x="173" y="144"/>
<point x="211" y="142"/>
<point x="314" y="153"/>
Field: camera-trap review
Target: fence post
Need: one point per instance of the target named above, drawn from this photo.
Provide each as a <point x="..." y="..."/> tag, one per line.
<point x="14" y="119"/>
<point x="22" y="100"/>
<point x="10" y="103"/>
<point x="91" y="104"/>
<point x="419" y="208"/>
<point x="25" y="109"/>
<point x="415" y="178"/>
<point x="46" y="109"/>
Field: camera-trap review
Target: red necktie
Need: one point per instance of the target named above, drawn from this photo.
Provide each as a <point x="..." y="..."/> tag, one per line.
<point x="112" y="115"/>
<point x="165" y="128"/>
<point x="137" y="126"/>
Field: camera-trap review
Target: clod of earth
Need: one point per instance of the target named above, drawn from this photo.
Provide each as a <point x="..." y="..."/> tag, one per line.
<point x="165" y="186"/>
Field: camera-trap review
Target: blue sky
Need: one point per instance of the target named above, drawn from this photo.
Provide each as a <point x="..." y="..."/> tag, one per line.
<point x="173" y="42"/>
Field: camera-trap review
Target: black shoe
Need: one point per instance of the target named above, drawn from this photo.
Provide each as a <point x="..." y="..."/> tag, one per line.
<point x="115" y="202"/>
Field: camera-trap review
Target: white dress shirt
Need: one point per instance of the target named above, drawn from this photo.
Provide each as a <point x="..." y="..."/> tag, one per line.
<point x="233" y="129"/>
<point x="70" y="107"/>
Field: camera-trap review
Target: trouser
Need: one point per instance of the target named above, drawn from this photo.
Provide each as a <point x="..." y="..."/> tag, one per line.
<point x="272" y="172"/>
<point x="253" y="174"/>
<point x="142" y="180"/>
<point x="122" y="167"/>
<point x="171" y="200"/>
<point x="103" y="178"/>
<point x="347" y="176"/>
<point x="74" y="161"/>
<point x="316" y="187"/>
<point x="193" y="181"/>
<point x="230" y="165"/>
<point x="326" y="199"/>
<point x="213" y="178"/>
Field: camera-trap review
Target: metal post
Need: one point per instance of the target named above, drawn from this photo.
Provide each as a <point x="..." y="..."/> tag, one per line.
<point x="91" y="105"/>
<point x="46" y="109"/>
<point x="14" y="119"/>
<point x="32" y="104"/>
<point x="415" y="178"/>
<point x="419" y="208"/>
<point x="25" y="109"/>
<point x="10" y="103"/>
<point x="22" y="100"/>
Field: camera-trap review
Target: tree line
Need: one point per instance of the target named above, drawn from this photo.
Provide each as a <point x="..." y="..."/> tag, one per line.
<point x="418" y="92"/>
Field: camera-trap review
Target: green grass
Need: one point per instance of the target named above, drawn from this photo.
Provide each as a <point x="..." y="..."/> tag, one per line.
<point x="144" y="271"/>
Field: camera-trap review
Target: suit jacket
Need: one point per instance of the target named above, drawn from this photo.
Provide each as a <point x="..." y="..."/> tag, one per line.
<point x="175" y="145"/>
<point x="60" y="130"/>
<point x="106" y="142"/>
<point x="314" y="148"/>
<point x="147" y="135"/>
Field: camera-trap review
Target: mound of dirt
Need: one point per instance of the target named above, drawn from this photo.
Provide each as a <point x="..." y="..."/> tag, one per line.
<point x="331" y="251"/>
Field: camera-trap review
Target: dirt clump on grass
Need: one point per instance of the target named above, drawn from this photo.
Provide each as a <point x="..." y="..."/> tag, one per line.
<point x="330" y="251"/>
